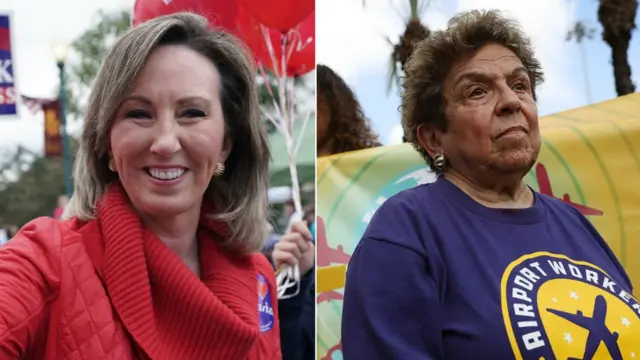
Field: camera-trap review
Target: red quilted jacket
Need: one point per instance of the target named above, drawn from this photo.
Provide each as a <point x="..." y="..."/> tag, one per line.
<point x="109" y="289"/>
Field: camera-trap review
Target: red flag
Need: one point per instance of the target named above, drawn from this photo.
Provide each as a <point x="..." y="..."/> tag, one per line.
<point x="34" y="105"/>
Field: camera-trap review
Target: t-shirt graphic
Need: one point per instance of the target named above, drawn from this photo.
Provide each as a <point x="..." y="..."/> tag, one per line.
<point x="557" y="308"/>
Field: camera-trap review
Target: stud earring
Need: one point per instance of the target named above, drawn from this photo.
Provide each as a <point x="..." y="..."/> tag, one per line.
<point x="439" y="162"/>
<point x="111" y="166"/>
<point x="219" y="169"/>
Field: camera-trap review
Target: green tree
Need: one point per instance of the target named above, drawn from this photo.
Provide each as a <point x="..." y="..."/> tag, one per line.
<point x="88" y="52"/>
<point x="35" y="193"/>
<point x="41" y="180"/>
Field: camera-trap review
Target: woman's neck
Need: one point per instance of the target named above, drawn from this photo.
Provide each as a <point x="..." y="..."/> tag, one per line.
<point x="503" y="193"/>
<point x="178" y="233"/>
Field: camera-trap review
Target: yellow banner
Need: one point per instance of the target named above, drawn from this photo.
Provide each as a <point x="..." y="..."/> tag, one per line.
<point x="590" y="158"/>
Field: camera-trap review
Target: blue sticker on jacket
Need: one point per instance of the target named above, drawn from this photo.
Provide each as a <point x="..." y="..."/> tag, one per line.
<point x="265" y="309"/>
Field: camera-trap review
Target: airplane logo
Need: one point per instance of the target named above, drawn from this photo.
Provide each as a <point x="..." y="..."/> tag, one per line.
<point x="544" y="183"/>
<point x="598" y="331"/>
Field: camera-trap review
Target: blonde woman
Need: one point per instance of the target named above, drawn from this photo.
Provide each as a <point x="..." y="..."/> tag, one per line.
<point x="158" y="256"/>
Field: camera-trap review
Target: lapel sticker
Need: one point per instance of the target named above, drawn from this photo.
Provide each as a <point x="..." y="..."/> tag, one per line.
<point x="265" y="309"/>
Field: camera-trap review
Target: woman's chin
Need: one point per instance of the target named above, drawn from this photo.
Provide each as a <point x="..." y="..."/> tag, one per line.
<point x="514" y="161"/>
<point x="163" y="205"/>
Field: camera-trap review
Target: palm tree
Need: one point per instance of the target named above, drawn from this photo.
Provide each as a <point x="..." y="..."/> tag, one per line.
<point x="414" y="32"/>
<point x="580" y="32"/>
<point x="617" y="19"/>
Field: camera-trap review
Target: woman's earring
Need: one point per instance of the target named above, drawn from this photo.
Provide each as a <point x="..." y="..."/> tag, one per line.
<point x="111" y="167"/>
<point x="439" y="162"/>
<point x="219" y="169"/>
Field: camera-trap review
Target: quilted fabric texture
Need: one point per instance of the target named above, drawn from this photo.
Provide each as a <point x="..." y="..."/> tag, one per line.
<point x="52" y="302"/>
<point x="62" y="297"/>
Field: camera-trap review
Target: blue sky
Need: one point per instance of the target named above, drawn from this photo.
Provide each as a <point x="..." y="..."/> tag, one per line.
<point x="350" y="40"/>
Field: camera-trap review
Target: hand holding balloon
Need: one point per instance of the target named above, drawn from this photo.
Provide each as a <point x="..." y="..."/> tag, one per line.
<point x="295" y="248"/>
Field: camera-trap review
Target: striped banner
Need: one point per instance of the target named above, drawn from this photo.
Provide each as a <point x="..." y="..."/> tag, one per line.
<point x="8" y="91"/>
<point x="590" y="158"/>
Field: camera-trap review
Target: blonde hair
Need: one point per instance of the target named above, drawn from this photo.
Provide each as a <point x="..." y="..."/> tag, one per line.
<point x="240" y="194"/>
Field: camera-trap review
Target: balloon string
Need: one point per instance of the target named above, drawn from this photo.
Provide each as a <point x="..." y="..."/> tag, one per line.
<point x="267" y="83"/>
<point x="286" y="118"/>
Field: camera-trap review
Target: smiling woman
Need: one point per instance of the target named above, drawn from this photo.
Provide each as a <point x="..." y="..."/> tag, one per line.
<point x="158" y="256"/>
<point x="168" y="141"/>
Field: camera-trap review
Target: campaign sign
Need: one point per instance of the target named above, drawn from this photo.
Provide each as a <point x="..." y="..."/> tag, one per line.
<point x="8" y="105"/>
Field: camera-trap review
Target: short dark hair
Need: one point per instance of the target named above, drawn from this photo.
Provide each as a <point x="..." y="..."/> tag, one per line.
<point x="422" y="99"/>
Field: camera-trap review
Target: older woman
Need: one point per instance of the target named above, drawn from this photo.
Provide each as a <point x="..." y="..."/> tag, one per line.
<point x="158" y="258"/>
<point x="342" y="125"/>
<point x="477" y="265"/>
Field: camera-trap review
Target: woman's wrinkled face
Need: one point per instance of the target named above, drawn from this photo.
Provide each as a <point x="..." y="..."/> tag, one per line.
<point x="169" y="133"/>
<point x="492" y="114"/>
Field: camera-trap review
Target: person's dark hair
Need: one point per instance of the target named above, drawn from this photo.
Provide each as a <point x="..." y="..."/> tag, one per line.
<point x="348" y="125"/>
<point x="422" y="99"/>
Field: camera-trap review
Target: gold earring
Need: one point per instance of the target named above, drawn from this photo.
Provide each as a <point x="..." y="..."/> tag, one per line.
<point x="219" y="169"/>
<point x="439" y="162"/>
<point x="111" y="167"/>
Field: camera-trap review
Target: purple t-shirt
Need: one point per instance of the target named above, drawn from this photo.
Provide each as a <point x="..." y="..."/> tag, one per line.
<point x="439" y="276"/>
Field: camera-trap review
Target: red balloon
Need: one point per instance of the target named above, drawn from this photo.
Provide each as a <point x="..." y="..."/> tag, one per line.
<point x="300" y="43"/>
<point x="222" y="14"/>
<point x="280" y="14"/>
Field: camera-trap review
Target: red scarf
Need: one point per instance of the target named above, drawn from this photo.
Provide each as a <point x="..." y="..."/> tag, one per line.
<point x="169" y="312"/>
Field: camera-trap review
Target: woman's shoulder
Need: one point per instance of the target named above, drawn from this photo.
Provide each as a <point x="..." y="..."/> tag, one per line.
<point x="410" y="199"/>
<point x="45" y="239"/>
<point x="407" y="205"/>
<point x="36" y="253"/>
<point x="42" y="232"/>
<point x="405" y="217"/>
<point x="50" y="232"/>
<point x="560" y="208"/>
<point x="263" y="266"/>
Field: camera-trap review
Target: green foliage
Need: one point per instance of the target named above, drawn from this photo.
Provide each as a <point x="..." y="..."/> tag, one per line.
<point x="88" y="52"/>
<point x="36" y="193"/>
<point x="37" y="190"/>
